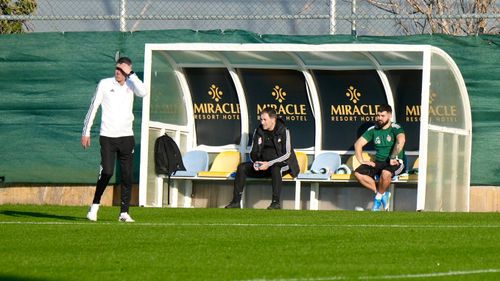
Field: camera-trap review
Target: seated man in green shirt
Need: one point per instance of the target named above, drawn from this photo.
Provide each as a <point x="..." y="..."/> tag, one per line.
<point x="389" y="140"/>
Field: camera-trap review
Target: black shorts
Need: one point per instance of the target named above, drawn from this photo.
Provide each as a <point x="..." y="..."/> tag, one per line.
<point x="379" y="166"/>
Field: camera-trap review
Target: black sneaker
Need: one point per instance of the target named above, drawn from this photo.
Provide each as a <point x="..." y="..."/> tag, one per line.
<point x="274" y="206"/>
<point x="233" y="205"/>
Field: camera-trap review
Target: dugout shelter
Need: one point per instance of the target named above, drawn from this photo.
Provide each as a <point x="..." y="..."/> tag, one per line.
<point x="208" y="97"/>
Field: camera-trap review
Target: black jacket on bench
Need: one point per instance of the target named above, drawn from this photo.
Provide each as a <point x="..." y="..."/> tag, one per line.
<point x="283" y="147"/>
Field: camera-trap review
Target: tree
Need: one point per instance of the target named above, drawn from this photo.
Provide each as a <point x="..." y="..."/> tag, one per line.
<point x="439" y="15"/>
<point x="16" y="8"/>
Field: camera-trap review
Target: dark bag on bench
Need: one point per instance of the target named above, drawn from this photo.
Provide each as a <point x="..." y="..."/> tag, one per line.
<point x="168" y="158"/>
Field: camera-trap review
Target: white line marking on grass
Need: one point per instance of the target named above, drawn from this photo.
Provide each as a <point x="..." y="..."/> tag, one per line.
<point x="300" y="279"/>
<point x="401" y="276"/>
<point x="249" y="224"/>
<point x="429" y="275"/>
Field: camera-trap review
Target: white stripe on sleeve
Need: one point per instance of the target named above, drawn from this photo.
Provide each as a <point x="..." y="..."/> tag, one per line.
<point x="94" y="106"/>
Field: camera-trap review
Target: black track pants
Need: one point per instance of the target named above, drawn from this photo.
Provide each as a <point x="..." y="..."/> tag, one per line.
<point x="123" y="148"/>
<point x="246" y="170"/>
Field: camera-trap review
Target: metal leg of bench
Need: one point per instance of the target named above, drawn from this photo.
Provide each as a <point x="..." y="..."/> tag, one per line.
<point x="297" y="194"/>
<point x="159" y="191"/>
<point x="243" y="198"/>
<point x="391" y="204"/>
<point x="174" y="194"/>
<point x="313" y="201"/>
<point x="187" y="193"/>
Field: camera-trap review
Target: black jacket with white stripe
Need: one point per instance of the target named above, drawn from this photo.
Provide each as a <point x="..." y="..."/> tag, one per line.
<point x="282" y="144"/>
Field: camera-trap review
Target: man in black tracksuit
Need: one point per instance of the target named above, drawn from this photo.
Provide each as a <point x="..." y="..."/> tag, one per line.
<point x="271" y="155"/>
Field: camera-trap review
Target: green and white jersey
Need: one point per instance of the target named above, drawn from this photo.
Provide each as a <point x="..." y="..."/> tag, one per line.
<point x="384" y="140"/>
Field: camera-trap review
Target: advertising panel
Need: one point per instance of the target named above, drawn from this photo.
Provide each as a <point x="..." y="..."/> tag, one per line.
<point x="406" y="87"/>
<point x="349" y="101"/>
<point x="286" y="92"/>
<point x="215" y="106"/>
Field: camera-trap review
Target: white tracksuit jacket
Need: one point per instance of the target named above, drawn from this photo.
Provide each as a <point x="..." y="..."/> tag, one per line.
<point x="117" y="102"/>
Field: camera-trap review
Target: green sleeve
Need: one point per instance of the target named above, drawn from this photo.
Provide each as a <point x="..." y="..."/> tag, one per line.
<point x="398" y="131"/>
<point x="368" y="135"/>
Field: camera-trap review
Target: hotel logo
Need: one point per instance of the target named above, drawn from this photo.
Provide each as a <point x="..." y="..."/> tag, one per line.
<point x="278" y="94"/>
<point x="353" y="111"/>
<point x="216" y="109"/>
<point x="215" y="93"/>
<point x="437" y="112"/>
<point x="353" y="94"/>
<point x="287" y="111"/>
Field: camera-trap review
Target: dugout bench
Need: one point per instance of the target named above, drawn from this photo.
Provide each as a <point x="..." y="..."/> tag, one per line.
<point x="221" y="177"/>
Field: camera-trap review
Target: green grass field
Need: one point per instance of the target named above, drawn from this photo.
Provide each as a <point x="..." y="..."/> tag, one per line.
<point x="58" y="243"/>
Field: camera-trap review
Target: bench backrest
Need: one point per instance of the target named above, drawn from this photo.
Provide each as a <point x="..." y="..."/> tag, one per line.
<point x="353" y="162"/>
<point x="326" y="160"/>
<point x="196" y="160"/>
<point x="226" y="161"/>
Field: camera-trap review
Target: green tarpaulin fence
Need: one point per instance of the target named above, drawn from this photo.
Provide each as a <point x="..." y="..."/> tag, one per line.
<point x="47" y="81"/>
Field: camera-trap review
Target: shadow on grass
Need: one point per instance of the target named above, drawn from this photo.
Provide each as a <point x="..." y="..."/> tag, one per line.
<point x="7" y="277"/>
<point x="38" y="215"/>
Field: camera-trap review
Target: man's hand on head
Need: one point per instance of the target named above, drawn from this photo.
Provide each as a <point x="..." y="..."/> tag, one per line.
<point x="125" y="68"/>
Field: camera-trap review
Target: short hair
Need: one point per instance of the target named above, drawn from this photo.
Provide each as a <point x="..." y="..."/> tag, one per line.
<point x="124" y="60"/>
<point x="385" y="107"/>
<point x="270" y="111"/>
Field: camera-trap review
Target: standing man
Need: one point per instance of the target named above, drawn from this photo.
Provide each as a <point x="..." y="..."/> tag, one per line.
<point x="271" y="156"/>
<point x="389" y="140"/>
<point x="115" y="95"/>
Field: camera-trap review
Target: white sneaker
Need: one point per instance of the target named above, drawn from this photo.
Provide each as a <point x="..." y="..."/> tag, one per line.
<point x="92" y="214"/>
<point x="125" y="217"/>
